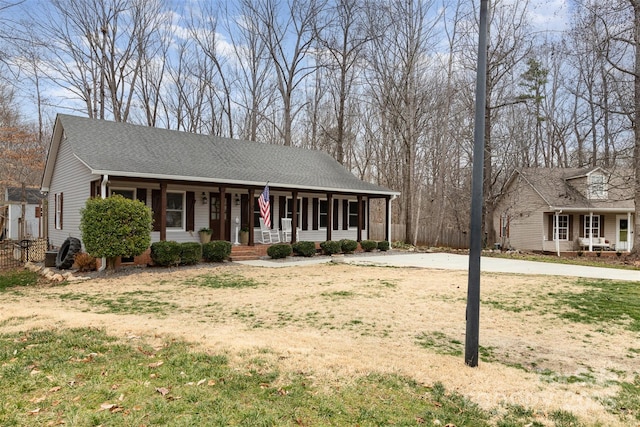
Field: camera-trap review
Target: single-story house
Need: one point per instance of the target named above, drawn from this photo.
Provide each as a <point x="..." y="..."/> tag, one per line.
<point x="566" y="209"/>
<point x="12" y="217"/>
<point x="193" y="181"/>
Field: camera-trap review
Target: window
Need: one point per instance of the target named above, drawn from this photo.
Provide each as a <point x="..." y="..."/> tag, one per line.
<point x="591" y="226"/>
<point x="597" y="187"/>
<point x="124" y="192"/>
<point x="175" y="210"/>
<point x="58" y="211"/>
<point x="323" y="214"/>
<point x="561" y="228"/>
<point x="504" y="225"/>
<point x="353" y="214"/>
<point x="290" y="210"/>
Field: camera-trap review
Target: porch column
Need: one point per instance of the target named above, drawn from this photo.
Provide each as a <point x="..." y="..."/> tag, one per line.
<point x="329" y="215"/>
<point x="223" y="213"/>
<point x="387" y="226"/>
<point x="163" y="211"/>
<point x="294" y="214"/>
<point x="557" y="232"/>
<point x="630" y="229"/>
<point x="251" y="210"/>
<point x="360" y="218"/>
<point x="590" y="231"/>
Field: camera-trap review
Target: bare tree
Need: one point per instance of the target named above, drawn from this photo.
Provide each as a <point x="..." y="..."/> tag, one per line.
<point x="289" y="34"/>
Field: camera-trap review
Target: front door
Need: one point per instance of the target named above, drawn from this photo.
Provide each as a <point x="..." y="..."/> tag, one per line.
<point x="215" y="217"/>
<point x="622" y="240"/>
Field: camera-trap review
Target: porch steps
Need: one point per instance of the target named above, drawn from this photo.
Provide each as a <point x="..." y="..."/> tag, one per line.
<point x="246" y="253"/>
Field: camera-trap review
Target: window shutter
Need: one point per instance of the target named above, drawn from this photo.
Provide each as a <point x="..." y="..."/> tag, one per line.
<point x="155" y="207"/>
<point x="141" y="195"/>
<point x="363" y="220"/>
<point x="92" y="189"/>
<point x="335" y="214"/>
<point x="191" y="209"/>
<point x="550" y="234"/>
<point x="345" y="214"/>
<point x="315" y="213"/>
<point x="601" y="225"/>
<point x="305" y="213"/>
<point x="61" y="209"/>
<point x="38" y="212"/>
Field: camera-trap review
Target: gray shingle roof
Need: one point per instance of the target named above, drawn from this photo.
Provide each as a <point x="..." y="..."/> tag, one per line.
<point x="556" y="187"/>
<point x="32" y="195"/>
<point x="141" y="151"/>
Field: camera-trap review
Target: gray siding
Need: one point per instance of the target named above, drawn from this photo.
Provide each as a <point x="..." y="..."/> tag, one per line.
<point x="72" y="178"/>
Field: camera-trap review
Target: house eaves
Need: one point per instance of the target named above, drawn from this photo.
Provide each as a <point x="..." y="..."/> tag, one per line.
<point x="127" y="150"/>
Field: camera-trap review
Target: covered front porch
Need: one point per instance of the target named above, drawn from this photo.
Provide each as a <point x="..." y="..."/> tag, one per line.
<point x="589" y="230"/>
<point x="181" y="209"/>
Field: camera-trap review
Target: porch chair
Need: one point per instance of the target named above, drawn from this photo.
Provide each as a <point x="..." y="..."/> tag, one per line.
<point x="286" y="229"/>
<point x="265" y="233"/>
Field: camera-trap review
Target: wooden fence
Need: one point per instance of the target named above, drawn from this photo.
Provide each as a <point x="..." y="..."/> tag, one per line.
<point x="449" y="238"/>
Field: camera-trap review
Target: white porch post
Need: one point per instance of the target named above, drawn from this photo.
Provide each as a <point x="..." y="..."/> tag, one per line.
<point x="590" y="231"/>
<point x="556" y="236"/>
<point x="629" y="231"/>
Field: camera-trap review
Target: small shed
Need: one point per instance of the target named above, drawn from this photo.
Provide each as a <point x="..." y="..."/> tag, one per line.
<point x="21" y="215"/>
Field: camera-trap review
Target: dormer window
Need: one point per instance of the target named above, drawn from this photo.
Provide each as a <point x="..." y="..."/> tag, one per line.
<point x="597" y="187"/>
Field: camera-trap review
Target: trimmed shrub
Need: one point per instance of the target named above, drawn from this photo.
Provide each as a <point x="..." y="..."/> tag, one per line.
<point x="166" y="254"/>
<point x="348" y="246"/>
<point x="281" y="250"/>
<point x="383" y="246"/>
<point x="307" y="249"/>
<point x="190" y="253"/>
<point x="115" y="226"/>
<point x="331" y="247"/>
<point x="368" y="245"/>
<point x="85" y="262"/>
<point x="216" y="251"/>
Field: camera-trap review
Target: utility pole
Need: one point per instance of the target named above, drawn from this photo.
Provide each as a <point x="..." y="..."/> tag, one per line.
<point x="473" y="289"/>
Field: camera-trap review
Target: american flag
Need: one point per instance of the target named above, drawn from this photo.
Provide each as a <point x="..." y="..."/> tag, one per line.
<point x="265" y="206"/>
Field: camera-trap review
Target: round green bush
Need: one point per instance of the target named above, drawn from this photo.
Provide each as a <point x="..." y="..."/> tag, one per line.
<point x="280" y="250"/>
<point x="166" y="253"/>
<point x="383" y="246"/>
<point x="216" y="250"/>
<point x="306" y="249"/>
<point x="348" y="246"/>
<point x="368" y="245"/>
<point x="190" y="253"/>
<point x="331" y="247"/>
<point x="115" y="226"/>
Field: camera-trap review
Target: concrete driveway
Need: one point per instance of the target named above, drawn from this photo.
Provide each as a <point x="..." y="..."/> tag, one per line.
<point x="449" y="261"/>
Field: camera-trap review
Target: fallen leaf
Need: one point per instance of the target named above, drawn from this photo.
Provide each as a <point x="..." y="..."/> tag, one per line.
<point x="34" y="411"/>
<point x="156" y="364"/>
<point x="162" y="390"/>
<point x="54" y="389"/>
<point x="107" y="406"/>
<point x="211" y="382"/>
<point x="202" y="382"/>
<point x="264" y="385"/>
<point x="37" y="399"/>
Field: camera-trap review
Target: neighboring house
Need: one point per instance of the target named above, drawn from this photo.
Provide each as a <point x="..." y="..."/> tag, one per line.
<point x="193" y="181"/>
<point x="558" y="210"/>
<point x="12" y="218"/>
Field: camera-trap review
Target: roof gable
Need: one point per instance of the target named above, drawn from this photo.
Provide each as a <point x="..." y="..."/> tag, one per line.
<point x="561" y="187"/>
<point x="139" y="151"/>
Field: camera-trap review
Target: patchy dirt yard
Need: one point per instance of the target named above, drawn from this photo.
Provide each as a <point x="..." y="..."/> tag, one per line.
<point x="339" y="321"/>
